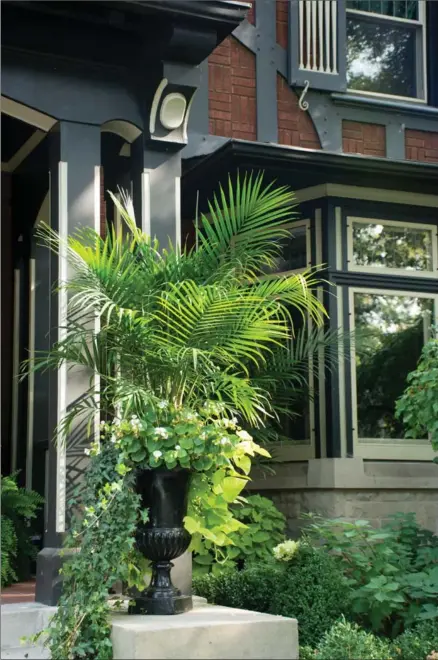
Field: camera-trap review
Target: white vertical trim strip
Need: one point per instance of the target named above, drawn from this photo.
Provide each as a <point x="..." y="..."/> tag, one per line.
<point x="178" y="212"/>
<point x="15" y="368"/>
<point x="308" y="6"/>
<point x="97" y="228"/>
<point x="314" y="31"/>
<point x="146" y="202"/>
<point x="341" y="374"/>
<point x="61" y="454"/>
<point x="338" y="224"/>
<point x="334" y="39"/>
<point x="321" y="36"/>
<point x="31" y="377"/>
<point x="301" y="21"/>
<point x="327" y="36"/>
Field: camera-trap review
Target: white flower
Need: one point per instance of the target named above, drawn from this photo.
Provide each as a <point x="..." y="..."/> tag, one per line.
<point x="157" y="453"/>
<point x="87" y="452"/>
<point x="162" y="404"/>
<point x="102" y="425"/>
<point x="225" y="441"/>
<point x="177" y="447"/>
<point x="161" y="432"/>
<point x="244" y="435"/>
<point x="116" y="421"/>
<point x="286" y="551"/>
<point x="113" y="438"/>
<point x="134" y="418"/>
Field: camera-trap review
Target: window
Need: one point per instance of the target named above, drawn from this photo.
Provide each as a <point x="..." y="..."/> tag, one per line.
<point x="397" y="247"/>
<point x="394" y="326"/>
<point x="295" y="250"/>
<point x="386" y="50"/>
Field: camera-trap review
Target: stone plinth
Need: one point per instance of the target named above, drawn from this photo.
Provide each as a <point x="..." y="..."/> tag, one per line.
<point x="206" y="633"/>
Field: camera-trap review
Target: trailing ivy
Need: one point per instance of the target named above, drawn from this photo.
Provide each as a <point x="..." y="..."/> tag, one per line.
<point x="102" y="543"/>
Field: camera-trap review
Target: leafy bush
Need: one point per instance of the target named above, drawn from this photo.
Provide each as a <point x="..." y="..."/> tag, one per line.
<point x="18" y="507"/>
<point x="264" y="527"/>
<point x="417" y="407"/>
<point x="346" y="641"/>
<point x="312" y="590"/>
<point x="250" y="589"/>
<point x="393" y="571"/>
<point x="418" y="642"/>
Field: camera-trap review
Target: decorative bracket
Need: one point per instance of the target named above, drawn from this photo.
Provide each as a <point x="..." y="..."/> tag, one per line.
<point x="303" y="105"/>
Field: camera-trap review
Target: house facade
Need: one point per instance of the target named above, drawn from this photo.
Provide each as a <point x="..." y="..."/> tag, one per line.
<point x="339" y="100"/>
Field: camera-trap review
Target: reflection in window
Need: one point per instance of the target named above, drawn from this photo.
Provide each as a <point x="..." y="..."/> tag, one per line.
<point x="396" y="327"/>
<point x="381" y="56"/>
<point x="293" y="254"/>
<point x="381" y="245"/>
<point x="396" y="8"/>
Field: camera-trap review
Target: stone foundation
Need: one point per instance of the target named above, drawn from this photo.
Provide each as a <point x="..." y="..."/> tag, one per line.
<point x="353" y="489"/>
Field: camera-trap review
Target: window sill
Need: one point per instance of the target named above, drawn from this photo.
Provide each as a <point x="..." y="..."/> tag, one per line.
<point x="405" y="107"/>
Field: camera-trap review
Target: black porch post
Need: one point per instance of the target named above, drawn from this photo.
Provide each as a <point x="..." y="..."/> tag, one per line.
<point x="74" y="203"/>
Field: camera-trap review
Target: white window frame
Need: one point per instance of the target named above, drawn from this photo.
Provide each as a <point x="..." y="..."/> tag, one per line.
<point x="386" y="270"/>
<point x="375" y="448"/>
<point x="420" y="54"/>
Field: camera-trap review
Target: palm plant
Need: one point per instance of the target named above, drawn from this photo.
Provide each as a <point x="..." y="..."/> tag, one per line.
<point x="189" y="325"/>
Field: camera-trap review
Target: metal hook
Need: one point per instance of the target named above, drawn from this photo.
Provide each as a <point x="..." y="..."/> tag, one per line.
<point x="303" y="105"/>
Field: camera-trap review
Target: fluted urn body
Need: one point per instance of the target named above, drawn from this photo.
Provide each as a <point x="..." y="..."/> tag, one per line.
<point x="163" y="538"/>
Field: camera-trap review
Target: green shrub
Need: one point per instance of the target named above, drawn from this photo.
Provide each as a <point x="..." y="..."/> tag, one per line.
<point x="250" y="589"/>
<point x="393" y="570"/>
<point x="417" y="643"/>
<point x="346" y="641"/>
<point x="18" y="507"/>
<point x="265" y="527"/>
<point x="314" y="591"/>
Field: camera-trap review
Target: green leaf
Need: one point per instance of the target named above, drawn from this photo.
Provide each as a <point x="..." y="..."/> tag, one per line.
<point x="232" y="487"/>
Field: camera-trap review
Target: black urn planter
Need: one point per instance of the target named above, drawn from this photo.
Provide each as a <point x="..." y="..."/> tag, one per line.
<point x="163" y="538"/>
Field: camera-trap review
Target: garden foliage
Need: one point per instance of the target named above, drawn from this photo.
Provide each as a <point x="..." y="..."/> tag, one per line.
<point x="392" y="571"/>
<point x="18" y="507"/>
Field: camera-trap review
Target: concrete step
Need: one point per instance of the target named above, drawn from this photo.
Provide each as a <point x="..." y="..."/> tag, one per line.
<point x="25" y="653"/>
<point x="22" y="620"/>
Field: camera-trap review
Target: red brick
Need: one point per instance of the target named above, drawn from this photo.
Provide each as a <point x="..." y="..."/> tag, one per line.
<point x="282" y="22"/>
<point x="363" y="138"/>
<point x="232" y="103"/>
<point x="421" y="145"/>
<point x="251" y="14"/>
<point x="295" y="127"/>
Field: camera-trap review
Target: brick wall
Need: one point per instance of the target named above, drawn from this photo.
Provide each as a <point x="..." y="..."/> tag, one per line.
<point x="421" y="145"/>
<point x="366" y="139"/>
<point x="232" y="91"/>
<point x="295" y="127"/>
<point x="282" y="22"/>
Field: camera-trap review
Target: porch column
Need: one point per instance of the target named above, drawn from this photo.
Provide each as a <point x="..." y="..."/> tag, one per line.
<point x="74" y="203"/>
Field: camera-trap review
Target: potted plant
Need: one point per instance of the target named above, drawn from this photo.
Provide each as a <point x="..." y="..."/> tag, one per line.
<point x="191" y="345"/>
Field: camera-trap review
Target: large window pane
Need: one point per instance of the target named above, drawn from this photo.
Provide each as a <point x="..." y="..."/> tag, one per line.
<point x="381" y="56"/>
<point x="381" y="245"/>
<point x="395" y="328"/>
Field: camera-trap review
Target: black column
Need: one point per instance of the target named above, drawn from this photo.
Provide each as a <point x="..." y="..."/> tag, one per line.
<point x="74" y="203"/>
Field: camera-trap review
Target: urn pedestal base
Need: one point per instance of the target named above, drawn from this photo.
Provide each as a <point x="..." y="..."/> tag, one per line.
<point x="172" y="605"/>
